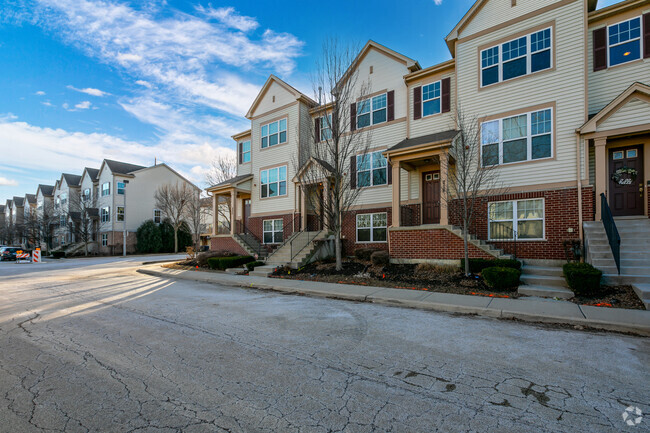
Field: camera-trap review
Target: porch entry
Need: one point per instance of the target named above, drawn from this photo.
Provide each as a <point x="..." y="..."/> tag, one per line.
<point x="247" y="212"/>
<point x="626" y="180"/>
<point x="431" y="197"/>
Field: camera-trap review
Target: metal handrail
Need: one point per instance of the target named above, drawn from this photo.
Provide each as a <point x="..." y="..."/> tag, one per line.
<point x="294" y="233"/>
<point x="612" y="232"/>
<point x="242" y="229"/>
<point x="505" y="234"/>
<point x="309" y="241"/>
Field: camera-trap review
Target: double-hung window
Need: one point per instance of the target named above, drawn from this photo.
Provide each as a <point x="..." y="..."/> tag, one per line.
<point x="273" y="182"/>
<point x="325" y="128"/>
<point x="86" y="195"/>
<point x="119" y="214"/>
<point x="64" y="199"/>
<point x="431" y="99"/>
<point x="120" y="188"/>
<point x="62" y="221"/>
<point x="272" y="231"/>
<point x="274" y="133"/>
<point x="624" y="41"/>
<point x="520" y="56"/>
<point x="520" y="219"/>
<point x="524" y="137"/>
<point x="105" y="214"/>
<point x="372" y="169"/>
<point x="157" y="216"/>
<point x="106" y="189"/>
<point x="372" y="111"/>
<point x="371" y="227"/>
<point x="245" y="151"/>
<point x="104" y="239"/>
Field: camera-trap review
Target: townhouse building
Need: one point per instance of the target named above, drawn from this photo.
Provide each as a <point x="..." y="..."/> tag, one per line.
<point x="3" y="226"/>
<point x="30" y="232"/>
<point x="45" y="214"/>
<point x="561" y="96"/>
<point x="66" y="193"/>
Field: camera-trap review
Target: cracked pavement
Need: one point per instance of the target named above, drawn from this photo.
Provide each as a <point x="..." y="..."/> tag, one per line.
<point x="93" y="346"/>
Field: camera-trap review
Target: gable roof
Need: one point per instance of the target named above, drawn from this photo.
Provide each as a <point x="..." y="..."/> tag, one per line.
<point x="46" y="190"/>
<point x="635" y="89"/>
<point x="71" y="179"/>
<point x="118" y="167"/>
<point x="471" y="14"/>
<point x="31" y="198"/>
<point x="438" y="137"/>
<point x="267" y="85"/>
<point x="93" y="173"/>
<point x="234" y="181"/>
<point x="19" y="201"/>
<point x="326" y="166"/>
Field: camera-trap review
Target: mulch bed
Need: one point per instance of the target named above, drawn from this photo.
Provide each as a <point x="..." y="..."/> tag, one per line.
<point x="612" y="297"/>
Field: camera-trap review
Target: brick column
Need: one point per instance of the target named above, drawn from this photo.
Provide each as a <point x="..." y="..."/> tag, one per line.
<point x="601" y="172"/>
<point x="397" y="184"/>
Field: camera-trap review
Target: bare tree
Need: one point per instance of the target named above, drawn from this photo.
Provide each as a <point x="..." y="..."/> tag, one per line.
<point x="173" y="201"/>
<point x="45" y="220"/>
<point x="469" y="179"/>
<point x="194" y="217"/>
<point x="223" y="167"/>
<point x="85" y="220"/>
<point x="337" y="137"/>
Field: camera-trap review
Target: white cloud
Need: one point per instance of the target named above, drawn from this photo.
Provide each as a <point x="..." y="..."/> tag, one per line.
<point x="437" y="2"/>
<point x="40" y="93"/>
<point x="89" y="91"/>
<point x="144" y="83"/>
<point x="84" y="105"/>
<point x="229" y="17"/>
<point x="47" y="103"/>
<point x="66" y="106"/>
<point x="128" y="58"/>
<point x="7" y="182"/>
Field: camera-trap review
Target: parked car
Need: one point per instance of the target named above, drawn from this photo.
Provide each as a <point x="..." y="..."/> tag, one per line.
<point x="8" y="253"/>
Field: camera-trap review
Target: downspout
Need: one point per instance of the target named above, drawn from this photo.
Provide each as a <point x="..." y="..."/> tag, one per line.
<point x="579" y="179"/>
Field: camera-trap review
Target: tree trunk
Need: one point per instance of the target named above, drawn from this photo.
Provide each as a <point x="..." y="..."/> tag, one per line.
<point x="465" y="246"/>
<point x="337" y="249"/>
<point x="176" y="239"/>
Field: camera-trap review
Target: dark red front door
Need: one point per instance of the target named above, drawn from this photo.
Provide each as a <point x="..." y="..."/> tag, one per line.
<point x="247" y="211"/>
<point x="431" y="197"/>
<point x="626" y="180"/>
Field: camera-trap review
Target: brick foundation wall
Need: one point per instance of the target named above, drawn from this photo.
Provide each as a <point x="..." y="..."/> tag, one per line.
<point x="255" y="224"/>
<point x="410" y="215"/>
<point x="438" y="244"/>
<point x="561" y="213"/>
<point x="226" y="243"/>
<point x="115" y="241"/>
<point x="349" y="231"/>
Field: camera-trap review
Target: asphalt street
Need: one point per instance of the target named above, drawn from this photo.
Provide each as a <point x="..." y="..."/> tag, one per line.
<point x="91" y="345"/>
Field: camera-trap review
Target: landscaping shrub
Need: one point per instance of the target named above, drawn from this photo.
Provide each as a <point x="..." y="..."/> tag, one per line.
<point x="252" y="265"/>
<point x="476" y="266"/>
<point x="58" y="254"/>
<point x="582" y="278"/>
<point x="167" y="235"/>
<point x="149" y="239"/>
<point x="364" y="253"/>
<point x="501" y="278"/>
<point x="380" y="258"/>
<point x="202" y="258"/>
<point x="223" y="263"/>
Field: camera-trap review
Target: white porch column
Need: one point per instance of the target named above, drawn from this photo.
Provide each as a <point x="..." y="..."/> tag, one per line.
<point x="444" y="171"/>
<point x="303" y="207"/>
<point x="397" y="185"/>
<point x="601" y="172"/>
<point x="233" y="211"/>
<point x="215" y="214"/>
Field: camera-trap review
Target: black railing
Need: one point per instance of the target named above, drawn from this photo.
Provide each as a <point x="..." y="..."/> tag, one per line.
<point x="311" y="235"/>
<point x="612" y="232"/>
<point x="500" y="232"/>
<point x="256" y="245"/>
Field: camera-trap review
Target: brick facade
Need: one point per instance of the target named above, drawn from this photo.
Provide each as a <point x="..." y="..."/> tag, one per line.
<point x="561" y="215"/>
<point x="115" y="241"/>
<point x="349" y="230"/>
<point x="226" y="243"/>
<point x="430" y="244"/>
<point x="255" y="224"/>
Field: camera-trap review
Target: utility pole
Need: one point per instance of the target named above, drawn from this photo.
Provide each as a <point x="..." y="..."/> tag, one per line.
<point x="125" y="182"/>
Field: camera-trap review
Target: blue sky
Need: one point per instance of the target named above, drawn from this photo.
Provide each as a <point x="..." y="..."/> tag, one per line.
<point x="83" y="80"/>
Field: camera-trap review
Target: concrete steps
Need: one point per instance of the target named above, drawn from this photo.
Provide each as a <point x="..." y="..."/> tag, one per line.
<point x="263" y="271"/>
<point x="298" y="250"/>
<point x="544" y="282"/>
<point x="481" y="244"/>
<point x="643" y="291"/>
<point x="545" y="292"/>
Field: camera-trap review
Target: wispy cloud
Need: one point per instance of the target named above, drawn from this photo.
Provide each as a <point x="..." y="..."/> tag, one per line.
<point x="229" y="17"/>
<point x="84" y="105"/>
<point x="7" y="182"/>
<point x="40" y="93"/>
<point x="89" y="91"/>
<point x="437" y="2"/>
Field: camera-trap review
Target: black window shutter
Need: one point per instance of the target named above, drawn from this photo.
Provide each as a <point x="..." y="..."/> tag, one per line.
<point x="353" y="171"/>
<point x="600" y="49"/>
<point x="389" y="167"/>
<point x="446" y="95"/>
<point x="417" y="103"/>
<point x="646" y="35"/>
<point x="390" y="97"/>
<point x="353" y="117"/>
<point x="241" y="152"/>
<point x="317" y="128"/>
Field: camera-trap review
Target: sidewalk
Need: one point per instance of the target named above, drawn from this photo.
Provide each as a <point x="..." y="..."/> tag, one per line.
<point x="530" y="310"/>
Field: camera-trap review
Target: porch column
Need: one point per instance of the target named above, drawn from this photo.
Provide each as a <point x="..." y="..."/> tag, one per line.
<point x="444" y="170"/>
<point x="397" y="184"/>
<point x="303" y="208"/>
<point x="215" y="214"/>
<point x="233" y="211"/>
<point x="601" y="172"/>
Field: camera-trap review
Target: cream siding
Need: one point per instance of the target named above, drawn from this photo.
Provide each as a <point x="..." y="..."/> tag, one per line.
<point x="306" y="133"/>
<point x="404" y="185"/>
<point x="495" y="12"/>
<point x="282" y="98"/>
<point x="437" y="122"/>
<point x="635" y="112"/>
<point x="246" y="167"/>
<point x="563" y="86"/>
<point x="414" y="179"/>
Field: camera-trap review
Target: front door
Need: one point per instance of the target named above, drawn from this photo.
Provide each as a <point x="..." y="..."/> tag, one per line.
<point x="431" y="197"/>
<point x="247" y="212"/>
<point x="626" y="180"/>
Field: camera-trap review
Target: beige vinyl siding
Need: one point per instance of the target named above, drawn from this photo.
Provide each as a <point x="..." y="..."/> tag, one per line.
<point x="414" y="179"/>
<point x="437" y="122"/>
<point x="306" y="134"/>
<point x="87" y="183"/>
<point x="607" y="84"/>
<point x="105" y="176"/>
<point x="243" y="168"/>
<point x="282" y="154"/>
<point x="495" y="12"/>
<point x="563" y="87"/>
<point x="635" y="112"/>
<point x="404" y="185"/>
<point x="282" y="98"/>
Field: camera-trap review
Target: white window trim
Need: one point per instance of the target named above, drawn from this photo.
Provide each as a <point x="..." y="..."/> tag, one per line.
<point x="117" y="187"/>
<point x="372" y="226"/>
<point x="108" y="191"/>
<point x="515" y="220"/>
<point x="371" y="112"/>
<point x="432" y="99"/>
<point x="528" y="56"/>
<point x="370" y="170"/>
<point x="529" y="137"/>
<point x="609" y="57"/>
<point x="154" y="216"/>
<point x="273" y="231"/>
<point x="108" y="214"/>
<point x="325" y="125"/>
<point x="286" y="188"/>
<point x="117" y="214"/>
<point x="268" y="134"/>
<point x="104" y="239"/>
<point x="250" y="149"/>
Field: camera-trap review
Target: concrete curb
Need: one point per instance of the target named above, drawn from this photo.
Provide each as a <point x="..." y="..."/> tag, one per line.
<point x="536" y="311"/>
